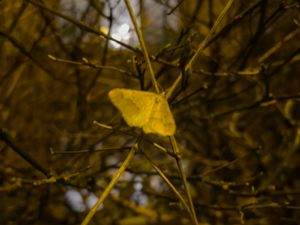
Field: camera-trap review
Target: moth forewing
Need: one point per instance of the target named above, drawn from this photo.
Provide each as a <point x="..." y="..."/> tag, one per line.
<point x="144" y="109"/>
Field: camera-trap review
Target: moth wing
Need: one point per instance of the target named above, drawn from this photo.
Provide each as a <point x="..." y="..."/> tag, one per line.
<point x="135" y="106"/>
<point x="161" y="120"/>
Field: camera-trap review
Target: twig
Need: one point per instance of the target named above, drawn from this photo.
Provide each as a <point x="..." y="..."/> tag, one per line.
<point x="183" y="177"/>
<point x="22" y="49"/>
<point x="107" y="190"/>
<point x="143" y="45"/>
<point x="278" y="45"/>
<point x="163" y="176"/>
<point x="89" y="151"/>
<point x="201" y="47"/>
<point x="86" y="62"/>
<point x="9" y="141"/>
<point x="175" y="7"/>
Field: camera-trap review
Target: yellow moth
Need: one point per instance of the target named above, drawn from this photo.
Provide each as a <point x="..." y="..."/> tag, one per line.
<point x="144" y="109"/>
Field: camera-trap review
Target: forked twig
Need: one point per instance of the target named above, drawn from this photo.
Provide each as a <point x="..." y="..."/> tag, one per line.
<point x="165" y="178"/>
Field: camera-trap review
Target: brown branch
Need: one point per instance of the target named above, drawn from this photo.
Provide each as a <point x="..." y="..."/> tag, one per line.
<point x="7" y="139"/>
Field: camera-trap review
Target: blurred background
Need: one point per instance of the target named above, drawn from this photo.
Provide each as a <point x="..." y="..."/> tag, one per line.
<point x="237" y="111"/>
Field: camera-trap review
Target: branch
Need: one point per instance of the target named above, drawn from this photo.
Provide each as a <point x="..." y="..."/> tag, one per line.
<point x="4" y="136"/>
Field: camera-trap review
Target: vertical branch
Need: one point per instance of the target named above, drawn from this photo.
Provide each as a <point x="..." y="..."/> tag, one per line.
<point x="145" y="52"/>
<point x="183" y="177"/>
<point x="142" y="44"/>
<point x="173" y="87"/>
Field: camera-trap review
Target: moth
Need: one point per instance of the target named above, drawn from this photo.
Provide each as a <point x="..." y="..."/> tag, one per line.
<point x="144" y="109"/>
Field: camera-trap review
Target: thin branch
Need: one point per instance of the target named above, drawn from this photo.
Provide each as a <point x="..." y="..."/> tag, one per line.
<point x="164" y="177"/>
<point x="143" y="45"/>
<point x="4" y="136"/>
<point x="111" y="184"/>
<point x="183" y="177"/>
<point x="86" y="62"/>
<point x="201" y="47"/>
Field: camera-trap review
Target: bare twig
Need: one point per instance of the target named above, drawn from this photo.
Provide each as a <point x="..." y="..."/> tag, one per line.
<point x="4" y="136"/>
<point x="111" y="184"/>
<point x="143" y="45"/>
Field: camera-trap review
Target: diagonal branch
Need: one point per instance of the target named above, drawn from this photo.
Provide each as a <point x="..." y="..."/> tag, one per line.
<point x="7" y="139"/>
